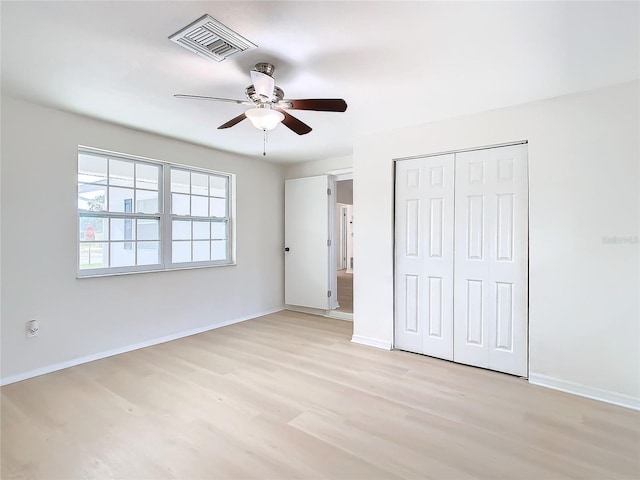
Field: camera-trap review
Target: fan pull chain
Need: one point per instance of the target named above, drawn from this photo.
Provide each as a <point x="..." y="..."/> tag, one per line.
<point x="264" y="144"/>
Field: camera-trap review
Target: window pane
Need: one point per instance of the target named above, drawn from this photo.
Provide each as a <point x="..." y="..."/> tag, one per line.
<point x="120" y="173"/>
<point x="181" y="252"/>
<point x="199" y="184"/>
<point x="94" y="255"/>
<point x="218" y="186"/>
<point x="147" y="202"/>
<point x="92" y="197"/>
<point x="147" y="176"/>
<point x="199" y="206"/>
<point x="218" y="207"/>
<point x="201" y="230"/>
<point x="148" y="253"/>
<point x="218" y="230"/>
<point x="180" y="204"/>
<point x="201" y="251"/>
<point x="123" y="229"/>
<point x="122" y="254"/>
<point x="92" y="169"/>
<point x="120" y="199"/>
<point x="148" y="229"/>
<point x="181" y="229"/>
<point x="93" y="229"/>
<point x="218" y="250"/>
<point x="179" y="181"/>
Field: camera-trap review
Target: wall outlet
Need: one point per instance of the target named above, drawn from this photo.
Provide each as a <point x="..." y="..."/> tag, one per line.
<point x="32" y="328"/>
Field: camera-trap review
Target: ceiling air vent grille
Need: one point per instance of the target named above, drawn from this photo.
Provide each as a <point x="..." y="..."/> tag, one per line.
<point x="209" y="38"/>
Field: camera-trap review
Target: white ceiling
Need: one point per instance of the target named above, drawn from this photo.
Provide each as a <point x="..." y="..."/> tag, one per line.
<point x="395" y="63"/>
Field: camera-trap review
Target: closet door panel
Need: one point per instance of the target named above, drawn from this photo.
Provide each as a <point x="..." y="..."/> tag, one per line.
<point x="472" y="308"/>
<point x="424" y="256"/>
<point x="491" y="223"/>
<point x="408" y="254"/>
<point x="438" y="258"/>
<point x="508" y="341"/>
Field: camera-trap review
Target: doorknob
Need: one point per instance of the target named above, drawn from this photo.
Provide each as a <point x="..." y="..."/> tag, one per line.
<point x="286" y="249"/>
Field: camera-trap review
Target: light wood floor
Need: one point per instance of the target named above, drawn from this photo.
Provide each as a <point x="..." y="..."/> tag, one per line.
<point x="287" y="395"/>
<point x="345" y="292"/>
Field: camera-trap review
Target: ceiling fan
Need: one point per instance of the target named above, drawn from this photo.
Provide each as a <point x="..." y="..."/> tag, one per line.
<point x="269" y="107"/>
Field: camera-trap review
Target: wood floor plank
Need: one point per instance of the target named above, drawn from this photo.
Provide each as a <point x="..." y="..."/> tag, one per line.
<point x="289" y="396"/>
<point x="345" y="291"/>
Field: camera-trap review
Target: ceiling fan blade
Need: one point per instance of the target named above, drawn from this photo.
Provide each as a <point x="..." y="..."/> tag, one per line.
<point x="292" y="123"/>
<point x="319" y="104"/>
<point x="233" y="121"/>
<point x="264" y="84"/>
<point x="213" y="99"/>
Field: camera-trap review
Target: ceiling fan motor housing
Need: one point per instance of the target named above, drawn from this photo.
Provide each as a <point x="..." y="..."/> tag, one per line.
<point x="250" y="92"/>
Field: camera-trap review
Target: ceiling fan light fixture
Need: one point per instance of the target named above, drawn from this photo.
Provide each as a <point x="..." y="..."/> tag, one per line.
<point x="264" y="118"/>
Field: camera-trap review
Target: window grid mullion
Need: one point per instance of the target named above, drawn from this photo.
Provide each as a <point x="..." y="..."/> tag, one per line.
<point x="134" y="207"/>
<point x="227" y="199"/>
<point x="191" y="210"/>
<point x="209" y="206"/>
<point x="103" y="214"/>
<point x="134" y="244"/>
<point x="107" y="200"/>
<point x="167" y="238"/>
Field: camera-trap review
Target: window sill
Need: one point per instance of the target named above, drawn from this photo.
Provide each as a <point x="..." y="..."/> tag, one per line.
<point x="156" y="270"/>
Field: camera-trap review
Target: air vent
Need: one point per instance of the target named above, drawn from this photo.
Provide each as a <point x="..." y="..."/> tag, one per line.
<point x="209" y="38"/>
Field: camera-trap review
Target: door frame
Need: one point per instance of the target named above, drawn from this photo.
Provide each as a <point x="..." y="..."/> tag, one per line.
<point x="471" y="149"/>
<point x="335" y="176"/>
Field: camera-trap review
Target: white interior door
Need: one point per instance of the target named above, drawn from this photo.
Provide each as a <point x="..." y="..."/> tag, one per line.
<point x="349" y="236"/>
<point x="306" y="247"/>
<point x="491" y="225"/>
<point x="424" y="255"/>
<point x="341" y="247"/>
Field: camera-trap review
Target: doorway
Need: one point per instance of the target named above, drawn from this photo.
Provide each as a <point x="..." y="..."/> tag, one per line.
<point x="319" y="258"/>
<point x="344" y="245"/>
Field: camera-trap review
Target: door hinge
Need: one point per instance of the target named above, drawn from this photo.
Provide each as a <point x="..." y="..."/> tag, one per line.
<point x="328" y="191"/>
<point x="329" y="294"/>
<point x="328" y="243"/>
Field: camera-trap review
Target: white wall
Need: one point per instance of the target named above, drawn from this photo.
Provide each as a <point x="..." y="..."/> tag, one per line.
<point x="86" y="317"/>
<point x="584" y="185"/>
<point x="318" y="167"/>
<point x="344" y="192"/>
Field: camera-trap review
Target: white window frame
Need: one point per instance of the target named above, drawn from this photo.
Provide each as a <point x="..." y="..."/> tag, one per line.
<point x="165" y="218"/>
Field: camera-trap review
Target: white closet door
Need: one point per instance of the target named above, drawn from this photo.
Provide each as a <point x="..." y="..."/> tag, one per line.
<point x="491" y="225"/>
<point x="424" y="256"/>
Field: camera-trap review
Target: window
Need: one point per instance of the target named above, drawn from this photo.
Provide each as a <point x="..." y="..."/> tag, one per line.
<point x="139" y="215"/>
<point x="199" y="216"/>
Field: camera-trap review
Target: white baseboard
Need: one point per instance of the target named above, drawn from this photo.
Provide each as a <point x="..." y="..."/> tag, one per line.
<point x="323" y="313"/>
<point x="309" y="310"/>
<point x="116" y="351"/>
<point x="340" y="315"/>
<point x="594" y="393"/>
<point x="371" y="342"/>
